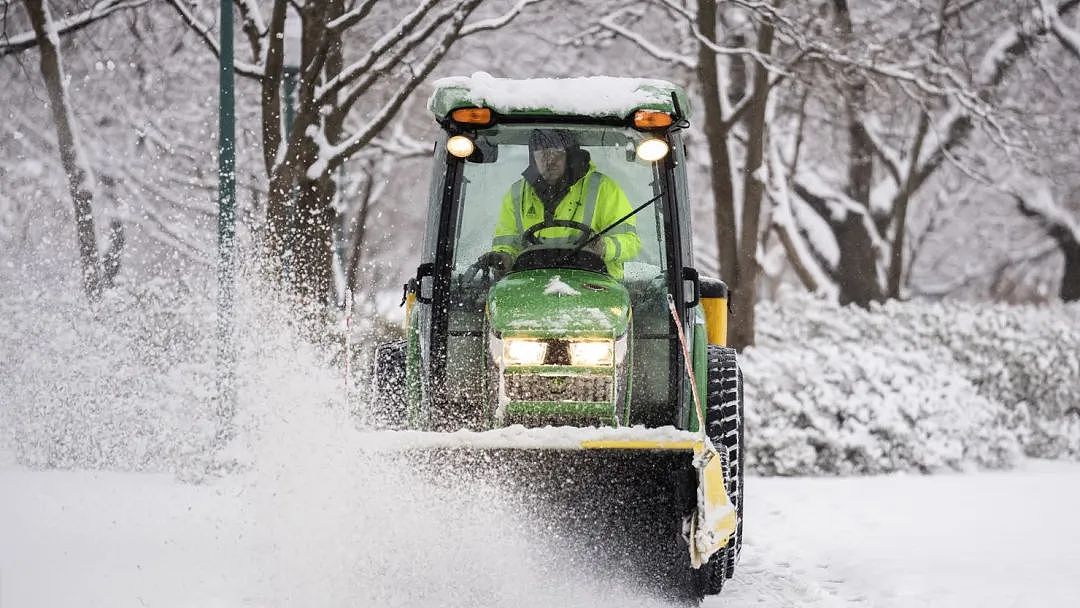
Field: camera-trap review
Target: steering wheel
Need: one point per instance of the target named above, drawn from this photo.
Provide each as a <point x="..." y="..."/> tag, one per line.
<point x="529" y="237"/>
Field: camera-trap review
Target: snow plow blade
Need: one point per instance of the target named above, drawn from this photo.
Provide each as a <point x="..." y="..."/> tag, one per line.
<point x="664" y="474"/>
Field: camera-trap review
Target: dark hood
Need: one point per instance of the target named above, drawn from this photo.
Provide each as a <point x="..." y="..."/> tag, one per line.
<point x="577" y="165"/>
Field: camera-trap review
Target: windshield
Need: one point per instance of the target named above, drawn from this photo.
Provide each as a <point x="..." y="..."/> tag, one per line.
<point x="635" y="253"/>
<point x="500" y="199"/>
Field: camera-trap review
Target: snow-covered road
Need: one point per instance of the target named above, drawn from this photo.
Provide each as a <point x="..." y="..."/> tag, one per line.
<point x="110" y="539"/>
<point x="986" y="539"/>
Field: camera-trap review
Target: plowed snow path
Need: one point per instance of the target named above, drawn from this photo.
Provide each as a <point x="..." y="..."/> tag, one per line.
<point x="103" y="539"/>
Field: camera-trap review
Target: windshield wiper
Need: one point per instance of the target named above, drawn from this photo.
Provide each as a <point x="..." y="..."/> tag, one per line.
<point x="622" y="219"/>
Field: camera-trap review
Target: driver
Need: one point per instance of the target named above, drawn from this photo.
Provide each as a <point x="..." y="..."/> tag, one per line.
<point x="562" y="183"/>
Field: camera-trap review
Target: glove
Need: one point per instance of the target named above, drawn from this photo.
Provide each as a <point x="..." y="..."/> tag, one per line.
<point x="598" y="247"/>
<point x="496" y="260"/>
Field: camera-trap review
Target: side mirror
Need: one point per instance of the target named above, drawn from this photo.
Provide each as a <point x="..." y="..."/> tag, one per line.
<point x="690" y="275"/>
<point x="485" y="152"/>
<point x="424" y="287"/>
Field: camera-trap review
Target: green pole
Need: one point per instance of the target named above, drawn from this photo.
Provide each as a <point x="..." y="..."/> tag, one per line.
<point x="226" y="381"/>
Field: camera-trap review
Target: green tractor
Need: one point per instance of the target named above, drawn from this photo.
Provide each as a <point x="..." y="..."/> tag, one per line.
<point x="557" y="326"/>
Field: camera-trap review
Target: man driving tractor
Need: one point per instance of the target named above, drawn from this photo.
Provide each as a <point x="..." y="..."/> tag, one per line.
<point x="562" y="183"/>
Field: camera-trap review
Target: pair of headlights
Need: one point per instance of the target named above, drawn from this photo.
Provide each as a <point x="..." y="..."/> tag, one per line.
<point x="649" y="150"/>
<point x="583" y="353"/>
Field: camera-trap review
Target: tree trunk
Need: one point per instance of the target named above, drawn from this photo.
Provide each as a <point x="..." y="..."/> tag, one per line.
<point x="300" y="210"/>
<point x="857" y="277"/>
<point x="1067" y="238"/>
<point x="900" y="210"/>
<point x="356" y="248"/>
<point x="1070" y="281"/>
<point x="856" y="270"/>
<point x="313" y="251"/>
<point x="75" y="166"/>
<point x="716" y="136"/>
<point x="744" y="297"/>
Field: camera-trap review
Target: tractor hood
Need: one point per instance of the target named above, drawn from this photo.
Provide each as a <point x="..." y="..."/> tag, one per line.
<point x="557" y="302"/>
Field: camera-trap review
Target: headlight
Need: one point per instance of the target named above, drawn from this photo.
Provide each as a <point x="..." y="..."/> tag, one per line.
<point x="591" y="354"/>
<point x="460" y="146"/>
<point x="652" y="149"/>
<point x="523" y="352"/>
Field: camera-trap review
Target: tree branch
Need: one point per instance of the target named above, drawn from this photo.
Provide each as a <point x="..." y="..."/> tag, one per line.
<point x="784" y="224"/>
<point x="351" y="18"/>
<point x="388" y="63"/>
<point x="1052" y="219"/>
<point x="331" y="156"/>
<point x="205" y="33"/>
<point x="997" y="61"/>
<point x="253" y="27"/>
<point x="26" y="40"/>
<point x="608" y="23"/>
<point x="496" y="22"/>
<point x="271" y="84"/>
<point x="406" y="25"/>
<point x="1068" y="37"/>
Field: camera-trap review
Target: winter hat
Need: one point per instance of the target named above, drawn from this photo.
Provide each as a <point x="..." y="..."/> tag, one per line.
<point x="577" y="165"/>
<point x="541" y="139"/>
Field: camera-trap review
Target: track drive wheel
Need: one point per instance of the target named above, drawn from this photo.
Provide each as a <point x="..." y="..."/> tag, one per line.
<point x="724" y="425"/>
<point x="388" y="382"/>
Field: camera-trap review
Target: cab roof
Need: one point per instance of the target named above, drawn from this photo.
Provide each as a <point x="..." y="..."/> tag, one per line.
<point x="593" y="96"/>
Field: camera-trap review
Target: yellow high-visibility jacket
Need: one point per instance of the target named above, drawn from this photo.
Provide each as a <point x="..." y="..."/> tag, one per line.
<point x="595" y="200"/>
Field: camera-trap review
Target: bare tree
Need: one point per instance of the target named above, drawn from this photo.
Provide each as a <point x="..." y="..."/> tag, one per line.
<point x="853" y="69"/>
<point x="1062" y="229"/>
<point x="80" y="179"/>
<point x="868" y="214"/>
<point x="335" y="82"/>
<point x="10" y="44"/>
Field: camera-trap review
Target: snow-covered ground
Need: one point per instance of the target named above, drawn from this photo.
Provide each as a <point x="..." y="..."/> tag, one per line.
<point x="283" y="538"/>
<point x="982" y="539"/>
<point x="294" y="513"/>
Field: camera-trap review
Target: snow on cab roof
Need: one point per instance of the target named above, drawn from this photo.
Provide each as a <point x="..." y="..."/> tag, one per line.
<point x="594" y="96"/>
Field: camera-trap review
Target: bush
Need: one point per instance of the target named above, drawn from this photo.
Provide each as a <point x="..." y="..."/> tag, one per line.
<point x="910" y="386"/>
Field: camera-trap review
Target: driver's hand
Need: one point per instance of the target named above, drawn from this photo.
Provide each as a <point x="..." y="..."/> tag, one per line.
<point x="495" y="260"/>
<point x="598" y="247"/>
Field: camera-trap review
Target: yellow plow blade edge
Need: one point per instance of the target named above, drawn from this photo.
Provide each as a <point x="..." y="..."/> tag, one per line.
<point x="714" y="520"/>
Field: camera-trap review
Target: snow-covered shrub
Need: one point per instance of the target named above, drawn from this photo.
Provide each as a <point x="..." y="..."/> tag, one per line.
<point x="1026" y="359"/>
<point x="910" y="386"/>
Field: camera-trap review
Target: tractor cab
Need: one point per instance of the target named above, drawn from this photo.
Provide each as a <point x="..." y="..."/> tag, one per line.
<point x="575" y="327"/>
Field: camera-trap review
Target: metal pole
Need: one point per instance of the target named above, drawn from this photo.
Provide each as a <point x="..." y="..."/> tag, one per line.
<point x="226" y="380"/>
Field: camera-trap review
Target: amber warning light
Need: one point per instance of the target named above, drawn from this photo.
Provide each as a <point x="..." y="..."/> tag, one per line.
<point x="651" y="119"/>
<point x="472" y="116"/>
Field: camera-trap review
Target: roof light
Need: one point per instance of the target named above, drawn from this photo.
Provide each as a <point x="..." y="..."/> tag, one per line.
<point x="460" y="146"/>
<point x="652" y="149"/>
<point x="472" y="116"/>
<point x="652" y="119"/>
